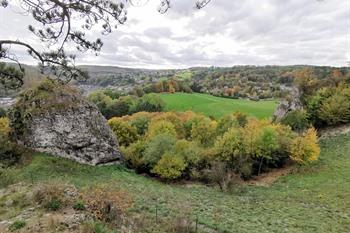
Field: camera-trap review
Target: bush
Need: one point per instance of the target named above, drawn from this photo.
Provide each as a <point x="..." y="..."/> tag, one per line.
<point x="149" y="103"/>
<point x="79" y="205"/>
<point x="227" y="122"/>
<point x="117" y="108"/>
<point x="161" y="127"/>
<point x="336" y="109"/>
<point x="170" y="166"/>
<point x="297" y="120"/>
<point x="2" y="112"/>
<point x="101" y="100"/>
<point x="231" y="150"/>
<point x="16" y="225"/>
<point x="10" y="153"/>
<point x="158" y="146"/>
<point x="189" y="151"/>
<point x="329" y="106"/>
<point x="304" y="149"/>
<point x="241" y="118"/>
<point x="133" y="154"/>
<point x="53" y="205"/>
<point x="8" y="177"/>
<point x="141" y="124"/>
<point x="51" y="196"/>
<point x="125" y="133"/>
<point x="204" y="131"/>
<point x="106" y="204"/>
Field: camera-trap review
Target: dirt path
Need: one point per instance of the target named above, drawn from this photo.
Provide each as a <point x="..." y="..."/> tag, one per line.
<point x="267" y="179"/>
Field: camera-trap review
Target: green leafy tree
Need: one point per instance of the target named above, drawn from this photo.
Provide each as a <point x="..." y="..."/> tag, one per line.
<point x="102" y="101"/>
<point x="157" y="147"/>
<point x="336" y="109"/>
<point x="297" y="120"/>
<point x="150" y="103"/>
<point x="141" y="124"/>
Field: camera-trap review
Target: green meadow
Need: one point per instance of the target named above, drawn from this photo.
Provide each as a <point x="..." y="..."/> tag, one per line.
<point x="311" y="199"/>
<point x="216" y="106"/>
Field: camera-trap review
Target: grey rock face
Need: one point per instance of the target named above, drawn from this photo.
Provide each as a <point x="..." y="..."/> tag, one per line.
<point x="287" y="106"/>
<point x="81" y="134"/>
<point x="65" y="124"/>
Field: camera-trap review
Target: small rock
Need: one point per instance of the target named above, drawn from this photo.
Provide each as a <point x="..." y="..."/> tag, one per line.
<point x="9" y="203"/>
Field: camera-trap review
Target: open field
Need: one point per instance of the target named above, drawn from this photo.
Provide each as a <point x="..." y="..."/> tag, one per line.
<point x="216" y="106"/>
<point x="312" y="199"/>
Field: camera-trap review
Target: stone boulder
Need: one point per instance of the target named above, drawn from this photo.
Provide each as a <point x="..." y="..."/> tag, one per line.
<point x="287" y="105"/>
<point x="55" y="119"/>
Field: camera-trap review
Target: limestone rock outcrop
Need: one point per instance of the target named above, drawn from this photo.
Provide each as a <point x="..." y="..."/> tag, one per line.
<point x="55" y="119"/>
<point x="287" y="105"/>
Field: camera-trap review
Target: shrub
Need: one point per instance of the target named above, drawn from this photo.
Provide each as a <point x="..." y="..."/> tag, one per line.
<point x="51" y="196"/>
<point x="156" y="147"/>
<point x="336" y="109"/>
<point x="204" y="131"/>
<point x="241" y="118"/>
<point x="133" y="154"/>
<point x="220" y="175"/>
<point x="329" y="106"/>
<point x="107" y="204"/>
<point x="189" y="151"/>
<point x="79" y="205"/>
<point x="297" y="120"/>
<point x="4" y="127"/>
<point x="53" y="205"/>
<point x="141" y="124"/>
<point x="8" y="177"/>
<point x="125" y="133"/>
<point x="2" y="112"/>
<point x="227" y="122"/>
<point x="304" y="149"/>
<point x="161" y="127"/>
<point x="149" y="103"/>
<point x="170" y="166"/>
<point x="16" y="225"/>
<point x="10" y="153"/>
<point x="268" y="145"/>
<point x="230" y="149"/>
<point x="117" y="108"/>
<point x="175" y="118"/>
<point x="95" y="227"/>
<point x="113" y="94"/>
<point x="101" y="100"/>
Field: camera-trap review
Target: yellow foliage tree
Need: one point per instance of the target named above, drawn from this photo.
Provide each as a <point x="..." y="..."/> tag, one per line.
<point x="4" y="126"/>
<point x="305" y="149"/>
<point x="161" y="127"/>
<point x="204" y="131"/>
<point x="169" y="166"/>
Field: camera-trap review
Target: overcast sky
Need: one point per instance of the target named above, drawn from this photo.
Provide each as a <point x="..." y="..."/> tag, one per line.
<point x="224" y="33"/>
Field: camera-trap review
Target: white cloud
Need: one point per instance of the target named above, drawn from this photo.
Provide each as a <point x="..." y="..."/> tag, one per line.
<point x="224" y="33"/>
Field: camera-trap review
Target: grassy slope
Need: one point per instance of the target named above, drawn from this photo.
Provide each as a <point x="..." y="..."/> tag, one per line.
<point x="316" y="199"/>
<point x="216" y="106"/>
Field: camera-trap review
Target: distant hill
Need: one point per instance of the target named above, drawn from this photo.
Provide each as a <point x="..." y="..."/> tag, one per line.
<point x="213" y="80"/>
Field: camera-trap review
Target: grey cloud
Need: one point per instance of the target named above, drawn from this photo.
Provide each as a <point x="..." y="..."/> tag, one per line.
<point x="265" y="32"/>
